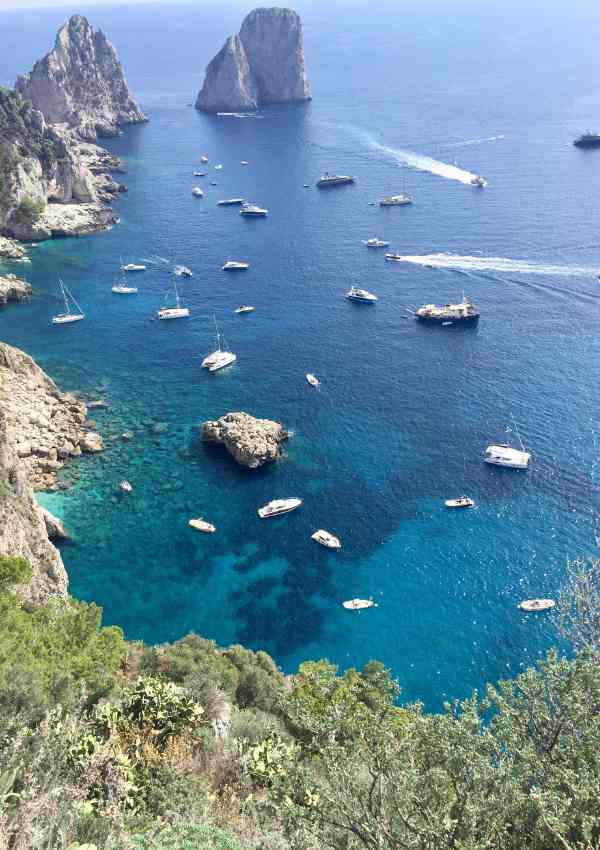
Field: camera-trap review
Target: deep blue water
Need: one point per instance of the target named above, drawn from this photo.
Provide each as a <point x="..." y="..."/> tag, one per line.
<point x="404" y="412"/>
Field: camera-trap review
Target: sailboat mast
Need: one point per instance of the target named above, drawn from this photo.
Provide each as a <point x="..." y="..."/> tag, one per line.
<point x="176" y="294"/>
<point x="64" y="294"/>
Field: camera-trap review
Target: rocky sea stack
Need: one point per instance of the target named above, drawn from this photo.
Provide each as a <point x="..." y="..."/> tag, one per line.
<point x="251" y="442"/>
<point x="81" y="83"/>
<point x="263" y="64"/>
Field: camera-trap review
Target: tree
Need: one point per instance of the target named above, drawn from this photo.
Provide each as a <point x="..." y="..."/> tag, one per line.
<point x="579" y="606"/>
<point x="13" y="570"/>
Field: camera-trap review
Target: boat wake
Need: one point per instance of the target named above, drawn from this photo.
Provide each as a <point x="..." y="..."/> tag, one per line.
<point x="460" y="263"/>
<point x="474" y="141"/>
<point x="424" y="163"/>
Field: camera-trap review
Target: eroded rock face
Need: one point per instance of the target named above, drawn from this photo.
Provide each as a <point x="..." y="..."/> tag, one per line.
<point x="264" y="64"/>
<point x="81" y="83"/>
<point x="251" y="442"/>
<point x="11" y="250"/>
<point x="12" y="288"/>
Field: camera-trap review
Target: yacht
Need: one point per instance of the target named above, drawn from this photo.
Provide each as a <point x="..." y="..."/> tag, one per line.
<point x="219" y="358"/>
<point x="278" y="506"/>
<point x="244" y="308"/>
<point x="312" y="380"/>
<point x="244" y="162"/>
<point x="363" y="295"/>
<point x="393" y="257"/>
<point x="334" y="180"/>
<point x="396" y="200"/>
<point x="235" y="266"/>
<point x="326" y="539"/>
<point x="202" y="525"/>
<point x="133" y="267"/>
<point x="376" y="243"/>
<point x="448" y="314"/>
<point x="461" y="502"/>
<point x="252" y="210"/>
<point x="183" y="271"/>
<point x="358" y="604"/>
<point x="502" y="454"/>
<point x="588" y="140"/>
<point x="204" y="159"/>
<point x="478" y="181"/>
<point x="536" y="604"/>
<point x="197" y="191"/>
<point x="73" y="312"/>
<point x="229" y="202"/>
<point x="176" y="312"/>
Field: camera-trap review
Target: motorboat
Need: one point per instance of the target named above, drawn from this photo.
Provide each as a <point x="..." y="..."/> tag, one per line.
<point x="328" y="180"/>
<point x="530" y="605"/>
<point x="73" y="312"/>
<point x="253" y="210"/>
<point x="218" y="167"/>
<point x="199" y="174"/>
<point x="244" y="162"/>
<point x="123" y="289"/>
<point x="312" y="380"/>
<point x="183" y="271"/>
<point x="213" y="183"/>
<point x="202" y="525"/>
<point x="230" y="202"/>
<point x="219" y="358"/>
<point x="278" y="506"/>
<point x="464" y="313"/>
<point x="125" y="486"/>
<point x="355" y="294"/>
<point x="588" y="140"/>
<point x="396" y="200"/>
<point x="133" y="267"/>
<point x="393" y="257"/>
<point x="235" y="266"/>
<point x="197" y="192"/>
<point x="204" y="159"/>
<point x="326" y="539"/>
<point x="461" y="502"/>
<point x="376" y="243"/>
<point x="502" y="454"/>
<point x="176" y="312"/>
<point x="244" y="308"/>
<point x="478" y="181"/>
<point x="359" y="604"/>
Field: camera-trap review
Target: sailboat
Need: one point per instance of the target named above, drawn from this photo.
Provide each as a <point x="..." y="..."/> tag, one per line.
<point x="176" y="312"/>
<point x="122" y="288"/>
<point x="219" y="358"/>
<point x="69" y="315"/>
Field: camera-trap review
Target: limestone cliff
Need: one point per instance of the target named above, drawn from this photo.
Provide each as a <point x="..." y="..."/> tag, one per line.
<point x="81" y="83"/>
<point x="264" y="64"/>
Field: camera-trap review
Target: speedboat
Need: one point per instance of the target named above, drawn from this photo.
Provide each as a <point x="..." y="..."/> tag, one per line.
<point x="244" y="162"/>
<point x="376" y="243"/>
<point x="199" y="174"/>
<point x="229" y="202"/>
<point x="363" y="295"/>
<point x="133" y="267"/>
<point x="536" y="604"/>
<point x="125" y="486"/>
<point x="461" y="502"/>
<point x="312" y="380"/>
<point x="218" y="167"/>
<point x="358" y="604"/>
<point x="278" y="506"/>
<point x="393" y="257"/>
<point x="334" y="180"/>
<point x="212" y="183"/>
<point x="183" y="271"/>
<point x="73" y="312"/>
<point x="481" y="182"/>
<point x="501" y="454"/>
<point x="202" y="525"/>
<point x="252" y="210"/>
<point x="197" y="191"/>
<point x="235" y="266"/>
<point x="219" y="358"/>
<point x="244" y="308"/>
<point x="326" y="539"/>
<point x="396" y="200"/>
<point x="204" y="159"/>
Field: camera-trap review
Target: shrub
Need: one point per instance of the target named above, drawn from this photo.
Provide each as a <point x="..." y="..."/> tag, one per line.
<point x="14" y="570"/>
<point x="187" y="837"/>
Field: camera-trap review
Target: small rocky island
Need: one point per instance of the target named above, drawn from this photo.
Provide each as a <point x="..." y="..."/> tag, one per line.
<point x="251" y="442"/>
<point x="263" y="64"/>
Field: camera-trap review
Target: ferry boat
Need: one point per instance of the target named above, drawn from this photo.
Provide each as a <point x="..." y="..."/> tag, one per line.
<point x="202" y="525"/>
<point x="278" y="506"/>
<point x="503" y="454"/>
<point x="334" y="180"/>
<point x="358" y="604"/>
<point x="363" y="295"/>
<point x="462" y="313"/>
<point x="536" y="604"/>
<point x="396" y="200"/>
<point x="235" y="266"/>
<point x="376" y="243"/>
<point x="252" y="210"/>
<point x="588" y="140"/>
<point x="228" y="202"/>
<point x="326" y="539"/>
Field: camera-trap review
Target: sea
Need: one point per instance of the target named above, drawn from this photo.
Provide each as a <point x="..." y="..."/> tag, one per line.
<point x="406" y="97"/>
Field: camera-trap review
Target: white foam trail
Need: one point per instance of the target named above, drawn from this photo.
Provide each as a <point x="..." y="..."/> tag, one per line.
<point x="475" y="141"/>
<point x="425" y="163"/>
<point x="497" y="264"/>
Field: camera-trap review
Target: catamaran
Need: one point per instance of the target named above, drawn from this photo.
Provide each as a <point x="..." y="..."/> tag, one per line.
<point x="503" y="454"/>
<point x="69" y="315"/>
<point x="176" y="312"/>
<point x="219" y="358"/>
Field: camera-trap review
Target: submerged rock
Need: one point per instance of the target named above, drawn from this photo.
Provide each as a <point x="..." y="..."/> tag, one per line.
<point x="54" y="526"/>
<point x="251" y="442"/>
<point x="263" y="64"/>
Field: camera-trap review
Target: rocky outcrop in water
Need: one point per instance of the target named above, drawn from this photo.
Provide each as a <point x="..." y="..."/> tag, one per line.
<point x="80" y="83"/>
<point x="12" y="288"/>
<point x="10" y="249"/>
<point x="263" y="64"/>
<point x="251" y="442"/>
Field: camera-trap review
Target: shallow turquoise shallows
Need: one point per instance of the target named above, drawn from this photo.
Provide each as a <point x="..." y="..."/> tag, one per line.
<point x="403" y="101"/>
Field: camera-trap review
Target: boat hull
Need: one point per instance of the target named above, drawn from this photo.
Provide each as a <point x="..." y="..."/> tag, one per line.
<point x="587" y="143"/>
<point x="439" y="320"/>
<point x="508" y="464"/>
<point x="66" y="320"/>
<point x="175" y="313"/>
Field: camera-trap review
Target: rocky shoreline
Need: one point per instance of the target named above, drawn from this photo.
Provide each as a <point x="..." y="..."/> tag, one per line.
<point x="12" y="288"/>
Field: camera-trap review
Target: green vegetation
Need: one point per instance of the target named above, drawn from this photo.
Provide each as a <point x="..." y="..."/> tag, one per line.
<point x="20" y="126"/>
<point x="109" y="745"/>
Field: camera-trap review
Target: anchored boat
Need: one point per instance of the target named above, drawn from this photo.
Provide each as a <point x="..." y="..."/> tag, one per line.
<point x="326" y="539"/>
<point x="396" y="200"/>
<point x="461" y="502"/>
<point x="251" y="210"/>
<point x="278" y="506"/>
<point x="358" y="604"/>
<point x="536" y="604"/>
<point x="462" y="313"/>
<point x="176" y="312"/>
<point x="73" y="312"/>
<point x="202" y="525"/>
<point x="355" y="294"/>
<point x="235" y="266"/>
<point x="244" y="308"/>
<point x="312" y="380"/>
<point x="328" y="180"/>
<point x="219" y="358"/>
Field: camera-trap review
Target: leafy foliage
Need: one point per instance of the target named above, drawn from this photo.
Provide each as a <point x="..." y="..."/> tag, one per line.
<point x="13" y="570"/>
<point x="20" y="126"/>
<point x="187" y="837"/>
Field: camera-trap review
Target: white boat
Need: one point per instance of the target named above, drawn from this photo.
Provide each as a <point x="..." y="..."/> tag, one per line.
<point x="376" y="243"/>
<point x="230" y="202"/>
<point x="122" y="288"/>
<point x="278" y="506"/>
<point x="73" y="312"/>
<point x="197" y="191"/>
<point x="253" y="210"/>
<point x="537" y="604"/>
<point x="355" y="294"/>
<point x="176" y="312"/>
<point x="133" y="267"/>
<point x="183" y="271"/>
<point x="244" y="162"/>
<point x="219" y="358"/>
<point x="218" y="167"/>
<point x="358" y="604"/>
<point x="235" y="266"/>
<point x="312" y="380"/>
<point x="244" y="309"/>
<point x="199" y="174"/>
<point x="204" y="159"/>
<point x="501" y="454"/>
<point x="461" y="502"/>
<point x="396" y="200"/>
<point x="125" y="486"/>
<point x="202" y="525"/>
<point x="393" y="257"/>
<point x="326" y="539"/>
<point x="478" y="181"/>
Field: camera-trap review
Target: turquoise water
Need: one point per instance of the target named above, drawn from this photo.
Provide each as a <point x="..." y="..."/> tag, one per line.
<point x="404" y="412"/>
